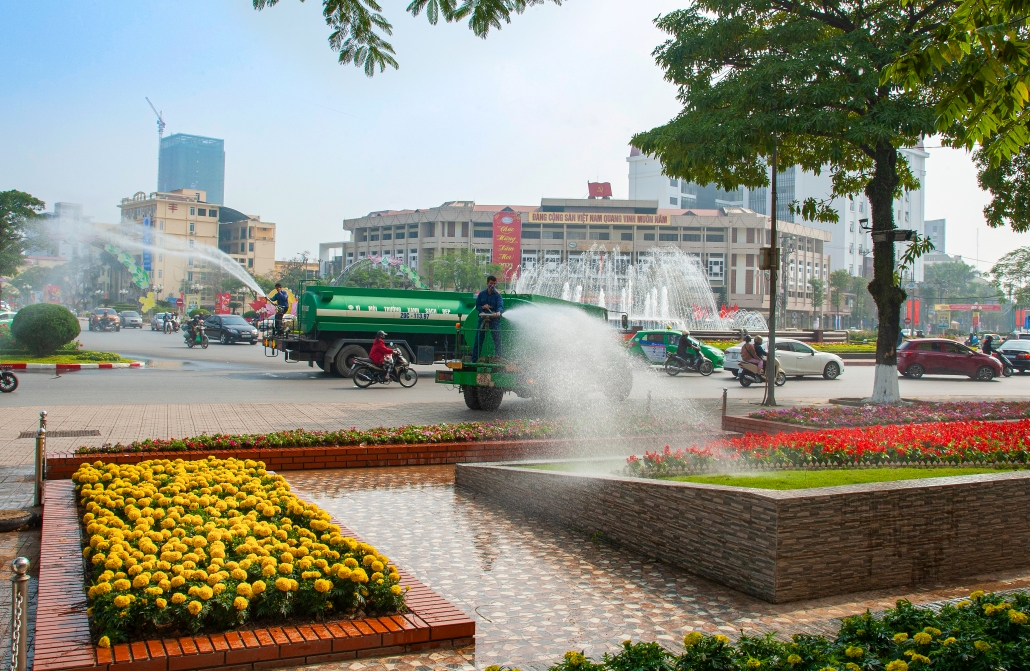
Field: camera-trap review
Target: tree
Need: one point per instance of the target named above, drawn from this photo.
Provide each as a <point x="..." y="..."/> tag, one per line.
<point x="951" y="280"/>
<point x="818" y="294"/>
<point x="1008" y="180"/>
<point x="294" y="271"/>
<point x="463" y="270"/>
<point x="840" y="281"/>
<point x="1011" y="275"/>
<point x="20" y="228"/>
<point x="370" y="277"/>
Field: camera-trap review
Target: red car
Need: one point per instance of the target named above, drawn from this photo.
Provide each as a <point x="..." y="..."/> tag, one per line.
<point x="939" y="356"/>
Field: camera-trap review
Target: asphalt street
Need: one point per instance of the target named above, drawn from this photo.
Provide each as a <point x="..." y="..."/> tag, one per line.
<point x="243" y="374"/>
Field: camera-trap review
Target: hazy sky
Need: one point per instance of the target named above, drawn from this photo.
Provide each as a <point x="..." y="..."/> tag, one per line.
<point x="534" y="111"/>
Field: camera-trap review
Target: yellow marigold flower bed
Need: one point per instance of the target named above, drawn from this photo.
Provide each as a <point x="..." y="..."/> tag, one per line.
<point x="189" y="546"/>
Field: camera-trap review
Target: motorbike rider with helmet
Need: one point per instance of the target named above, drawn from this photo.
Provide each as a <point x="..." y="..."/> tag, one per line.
<point x="687" y="351"/>
<point x="381" y="354"/>
<point x="192" y="324"/>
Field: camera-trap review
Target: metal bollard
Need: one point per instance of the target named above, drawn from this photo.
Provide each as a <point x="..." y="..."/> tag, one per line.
<point x="19" y="614"/>
<point x="724" y="390"/>
<point x="40" y="459"/>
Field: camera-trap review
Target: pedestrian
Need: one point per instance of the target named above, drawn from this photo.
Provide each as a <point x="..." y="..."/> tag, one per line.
<point x="489" y="306"/>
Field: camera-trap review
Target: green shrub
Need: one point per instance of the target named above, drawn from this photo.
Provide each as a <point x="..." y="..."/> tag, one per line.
<point x="97" y="356"/>
<point x="250" y="314"/>
<point x="43" y="327"/>
<point x="199" y="311"/>
<point x="7" y="341"/>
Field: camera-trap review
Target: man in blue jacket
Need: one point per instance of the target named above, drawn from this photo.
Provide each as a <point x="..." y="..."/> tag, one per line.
<point x="489" y="305"/>
<point x="281" y="300"/>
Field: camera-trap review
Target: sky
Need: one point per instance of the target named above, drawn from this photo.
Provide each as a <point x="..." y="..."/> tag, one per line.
<point x="536" y="110"/>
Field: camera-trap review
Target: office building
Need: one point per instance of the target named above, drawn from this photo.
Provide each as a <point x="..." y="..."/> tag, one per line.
<point x="725" y="240"/>
<point x="248" y="240"/>
<point x="935" y="230"/>
<point x="850" y="243"/>
<point x="192" y="162"/>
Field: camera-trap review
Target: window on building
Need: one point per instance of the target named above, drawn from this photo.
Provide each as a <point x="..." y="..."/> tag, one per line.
<point x="673" y="182"/>
<point x="626" y="236"/>
<point x="250" y="263"/>
<point x="193" y="211"/>
<point x="387" y="236"/>
<point x="598" y="235"/>
<point x="577" y="235"/>
<point x="852" y="204"/>
<point x="750" y="239"/>
<point x="668" y="237"/>
<point x="861" y="206"/>
<point x="202" y="212"/>
<point x="906" y="216"/>
<point x="373" y="238"/>
<point x="350" y="258"/>
<point x="193" y="228"/>
<point x="482" y="233"/>
<point x="464" y="229"/>
<point x="192" y="243"/>
<point x="429" y="229"/>
<point x="851" y="227"/>
<point x="450" y="229"/>
<point x="212" y="213"/>
<point x="250" y="247"/>
<point x="692" y="235"/>
<point x="412" y="234"/>
<point x="716" y="266"/>
<point x="413" y="260"/>
<point x="719" y="235"/>
<point x="160" y="258"/>
<point x="160" y="225"/>
<point x="189" y="261"/>
<point x="554" y="235"/>
<point x="649" y="237"/>
<point x="674" y="201"/>
<point x="530" y="235"/>
<point x="189" y="276"/>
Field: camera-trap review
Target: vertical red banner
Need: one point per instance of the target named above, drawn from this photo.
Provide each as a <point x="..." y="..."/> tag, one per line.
<point x="507" y="241"/>
<point x="222" y="304"/>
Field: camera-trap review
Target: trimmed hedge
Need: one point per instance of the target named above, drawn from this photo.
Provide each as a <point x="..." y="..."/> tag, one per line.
<point x="43" y="328"/>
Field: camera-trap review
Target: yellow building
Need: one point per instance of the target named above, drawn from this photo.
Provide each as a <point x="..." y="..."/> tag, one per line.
<point x="186" y="235"/>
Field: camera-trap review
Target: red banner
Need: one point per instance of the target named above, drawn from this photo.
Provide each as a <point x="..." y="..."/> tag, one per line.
<point x="508" y="241"/>
<point x="222" y="303"/>
<point x="599" y="189"/>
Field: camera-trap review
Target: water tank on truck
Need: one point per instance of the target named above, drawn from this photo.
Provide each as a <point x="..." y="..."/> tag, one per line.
<point x="338" y="324"/>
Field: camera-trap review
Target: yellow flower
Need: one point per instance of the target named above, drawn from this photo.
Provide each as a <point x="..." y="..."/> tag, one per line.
<point x="323" y="586"/>
<point x="122" y="585"/>
<point x="932" y="631"/>
<point x="239" y="603"/>
<point x="396" y="590"/>
<point x="195" y="607"/>
<point x="368" y="560"/>
<point x="854" y="652"/>
<point x="104" y="642"/>
<point x="160" y="603"/>
<point x="1016" y="617"/>
<point x="238" y="574"/>
<point x="722" y="639"/>
<point x="851" y="666"/>
<point x="268" y="570"/>
<point x="982" y="646"/>
<point x="122" y="601"/>
<point x="897" y="665"/>
<point x="376" y="577"/>
<point x="753" y="663"/>
<point x="358" y="575"/>
<point x="343" y="573"/>
<point x="900" y="638"/>
<point x="948" y="641"/>
<point x="141" y="580"/>
<point x="922" y="659"/>
<point x="573" y="658"/>
<point x="244" y="590"/>
<point x="377" y="566"/>
<point x="976" y="595"/>
<point x="350" y="562"/>
<point x="178" y="597"/>
<point x="258" y="587"/>
<point x="282" y="584"/>
<point x="793" y="659"/>
<point x="922" y="638"/>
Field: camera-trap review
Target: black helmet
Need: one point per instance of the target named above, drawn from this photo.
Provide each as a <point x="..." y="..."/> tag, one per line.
<point x="381" y="334"/>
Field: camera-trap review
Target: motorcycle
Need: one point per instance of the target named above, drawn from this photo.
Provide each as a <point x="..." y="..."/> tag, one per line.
<point x="675" y="365"/>
<point x="1006" y="366"/>
<point x="8" y="381"/>
<point x="171" y="324"/>
<point x="365" y="373"/>
<point x="108" y="325"/>
<point x="197" y="337"/>
<point x="749" y="374"/>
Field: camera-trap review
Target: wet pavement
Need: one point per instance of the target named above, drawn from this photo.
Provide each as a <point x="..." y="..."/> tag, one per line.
<point x="536" y="590"/>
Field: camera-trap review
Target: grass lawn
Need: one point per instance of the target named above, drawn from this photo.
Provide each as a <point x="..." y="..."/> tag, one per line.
<point x="85" y="356"/>
<point x="812" y="479"/>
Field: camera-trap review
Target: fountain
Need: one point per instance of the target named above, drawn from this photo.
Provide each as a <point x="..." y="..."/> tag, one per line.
<point x="667" y="287"/>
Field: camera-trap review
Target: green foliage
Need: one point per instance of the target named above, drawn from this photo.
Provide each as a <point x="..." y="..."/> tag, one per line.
<point x="32" y="279"/>
<point x="20" y="228"/>
<point x="981" y="633"/>
<point x="1008" y="180"/>
<point x="373" y="277"/>
<point x="1011" y="274"/>
<point x="355" y="24"/>
<point x="231" y="284"/>
<point x="840" y="280"/>
<point x="463" y="270"/>
<point x="97" y="357"/>
<point x="7" y="341"/>
<point x="818" y="293"/>
<point x="250" y="314"/>
<point x="199" y="311"/>
<point x="43" y="328"/>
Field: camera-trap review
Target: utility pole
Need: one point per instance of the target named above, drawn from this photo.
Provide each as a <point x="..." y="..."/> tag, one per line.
<point x="773" y="262"/>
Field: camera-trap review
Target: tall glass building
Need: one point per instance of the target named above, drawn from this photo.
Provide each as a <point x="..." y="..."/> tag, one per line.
<point x="192" y="162"/>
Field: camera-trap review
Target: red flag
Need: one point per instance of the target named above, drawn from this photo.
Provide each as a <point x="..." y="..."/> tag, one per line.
<point x="599" y="189"/>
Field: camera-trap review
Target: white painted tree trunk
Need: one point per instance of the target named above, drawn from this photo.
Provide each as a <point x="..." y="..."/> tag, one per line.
<point x="885" y="386"/>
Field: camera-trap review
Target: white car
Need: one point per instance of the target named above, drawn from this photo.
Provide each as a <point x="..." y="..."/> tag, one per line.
<point x="796" y="358"/>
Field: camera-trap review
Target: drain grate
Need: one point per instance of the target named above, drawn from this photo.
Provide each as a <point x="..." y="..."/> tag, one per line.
<point x="63" y="433"/>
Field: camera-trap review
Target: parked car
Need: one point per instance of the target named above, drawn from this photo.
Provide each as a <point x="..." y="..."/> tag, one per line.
<point x="101" y="316"/>
<point x="130" y="319"/>
<point x="656" y="345"/>
<point x="796" y="358"/>
<point x="1018" y="353"/>
<point x="7" y="317"/>
<point x="939" y="356"/>
<point x="229" y="329"/>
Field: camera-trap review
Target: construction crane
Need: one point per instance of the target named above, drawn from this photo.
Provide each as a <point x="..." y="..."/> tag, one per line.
<point x="160" y="119"/>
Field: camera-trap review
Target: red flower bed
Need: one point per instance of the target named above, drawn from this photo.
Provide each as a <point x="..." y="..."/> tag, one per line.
<point x="944" y="443"/>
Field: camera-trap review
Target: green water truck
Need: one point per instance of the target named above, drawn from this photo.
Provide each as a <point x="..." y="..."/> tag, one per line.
<point x="524" y="370"/>
<point x="335" y="325"/>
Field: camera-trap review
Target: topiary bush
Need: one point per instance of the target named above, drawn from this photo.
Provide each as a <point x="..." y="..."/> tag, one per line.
<point x="43" y="327"/>
<point x="6" y="339"/>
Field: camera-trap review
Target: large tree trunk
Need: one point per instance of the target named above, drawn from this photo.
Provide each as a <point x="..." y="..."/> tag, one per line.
<point x="887" y="296"/>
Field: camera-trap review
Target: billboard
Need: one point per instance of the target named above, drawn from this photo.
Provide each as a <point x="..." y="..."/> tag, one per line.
<point x="192" y="302"/>
<point x="146" y="244"/>
<point x="597" y="218"/>
<point x="507" y="241"/>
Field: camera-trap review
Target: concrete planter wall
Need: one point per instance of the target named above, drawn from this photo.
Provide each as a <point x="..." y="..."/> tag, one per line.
<point x="786" y="545"/>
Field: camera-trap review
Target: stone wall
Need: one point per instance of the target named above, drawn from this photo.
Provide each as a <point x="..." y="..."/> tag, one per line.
<point x="787" y="545"/>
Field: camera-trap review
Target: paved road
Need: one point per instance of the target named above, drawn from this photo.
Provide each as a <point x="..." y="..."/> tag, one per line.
<point x="242" y="374"/>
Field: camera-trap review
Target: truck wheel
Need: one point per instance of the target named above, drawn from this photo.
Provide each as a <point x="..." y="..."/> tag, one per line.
<point x="471" y="397"/>
<point x="345" y="358"/>
<point x="489" y="398"/>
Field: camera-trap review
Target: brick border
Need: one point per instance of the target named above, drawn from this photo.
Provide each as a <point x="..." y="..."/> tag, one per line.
<point x="739" y="424"/>
<point x="62" y="626"/>
<point x="63" y="464"/>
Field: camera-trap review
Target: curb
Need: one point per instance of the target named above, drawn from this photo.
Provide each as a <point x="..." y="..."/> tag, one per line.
<point x="73" y="366"/>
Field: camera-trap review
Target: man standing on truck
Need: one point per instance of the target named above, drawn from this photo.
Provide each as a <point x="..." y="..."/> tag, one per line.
<point x="489" y="305"/>
<point x="282" y="303"/>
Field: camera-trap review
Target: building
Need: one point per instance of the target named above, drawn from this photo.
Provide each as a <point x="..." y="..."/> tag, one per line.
<point x="935" y="230"/>
<point x="190" y="238"/>
<point x="850" y="243"/>
<point x="312" y="269"/>
<point x="192" y="162"/>
<point x="248" y="240"/>
<point x="726" y="240"/>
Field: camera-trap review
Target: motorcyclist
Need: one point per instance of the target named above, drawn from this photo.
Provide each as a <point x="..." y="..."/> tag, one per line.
<point x="749" y="353"/>
<point x="381" y="354"/>
<point x="762" y="354"/>
<point x="191" y="326"/>
<point x="489" y="302"/>
<point x="687" y="351"/>
<point x="988" y="346"/>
